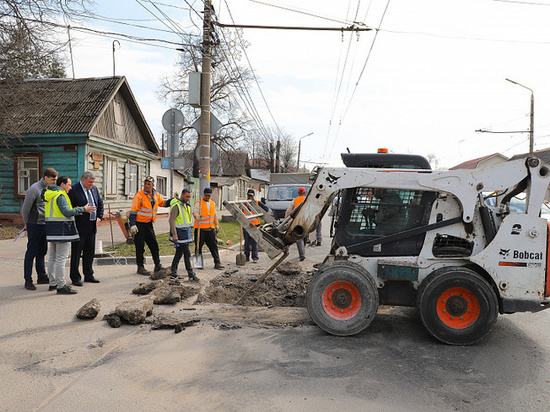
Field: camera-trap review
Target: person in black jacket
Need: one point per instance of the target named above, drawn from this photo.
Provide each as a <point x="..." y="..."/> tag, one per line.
<point x="84" y="193"/>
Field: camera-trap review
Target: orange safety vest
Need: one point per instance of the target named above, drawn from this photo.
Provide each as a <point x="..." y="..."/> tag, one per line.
<point x="247" y="211"/>
<point x="297" y="201"/>
<point x="207" y="216"/>
<point x="145" y="212"/>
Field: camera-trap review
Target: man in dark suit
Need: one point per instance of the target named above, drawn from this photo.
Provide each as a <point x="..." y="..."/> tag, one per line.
<point x="82" y="194"/>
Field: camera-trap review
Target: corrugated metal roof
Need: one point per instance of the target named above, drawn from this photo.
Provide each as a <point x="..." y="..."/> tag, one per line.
<point x="55" y="105"/>
<point x="472" y="164"/>
<point x="543" y="154"/>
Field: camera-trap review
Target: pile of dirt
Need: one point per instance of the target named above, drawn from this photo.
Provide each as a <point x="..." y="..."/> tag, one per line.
<point x="284" y="288"/>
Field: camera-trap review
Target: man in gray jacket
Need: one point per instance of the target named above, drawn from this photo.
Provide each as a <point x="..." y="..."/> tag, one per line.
<point x="33" y="216"/>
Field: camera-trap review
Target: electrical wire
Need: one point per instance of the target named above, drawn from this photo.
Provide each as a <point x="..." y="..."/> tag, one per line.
<point x="126" y="37"/>
<point x="308" y="13"/>
<point x="337" y="95"/>
<point x="253" y="73"/>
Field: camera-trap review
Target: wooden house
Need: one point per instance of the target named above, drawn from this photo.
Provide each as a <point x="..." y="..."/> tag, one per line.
<point x="73" y="125"/>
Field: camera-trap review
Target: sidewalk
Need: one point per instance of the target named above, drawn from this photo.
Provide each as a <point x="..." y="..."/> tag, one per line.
<point x="13" y="253"/>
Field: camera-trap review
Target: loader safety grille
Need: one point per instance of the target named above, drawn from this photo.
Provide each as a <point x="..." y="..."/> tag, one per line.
<point x="382" y="212"/>
<point x="451" y="246"/>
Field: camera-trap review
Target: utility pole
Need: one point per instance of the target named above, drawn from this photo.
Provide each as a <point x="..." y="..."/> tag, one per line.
<point x="532" y="117"/>
<point x="300" y="149"/>
<point x="204" y="137"/>
<point x="278" y="157"/>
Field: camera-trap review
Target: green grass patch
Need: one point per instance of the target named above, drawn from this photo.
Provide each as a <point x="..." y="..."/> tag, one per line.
<point x="9" y="232"/>
<point x="166" y="247"/>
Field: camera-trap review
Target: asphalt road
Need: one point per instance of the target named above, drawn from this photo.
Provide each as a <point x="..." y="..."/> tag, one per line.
<point x="50" y="361"/>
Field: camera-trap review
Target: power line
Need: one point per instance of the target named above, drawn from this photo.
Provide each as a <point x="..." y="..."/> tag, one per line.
<point x="337" y="96"/>
<point x="251" y="26"/>
<point x="462" y="37"/>
<point x="361" y="74"/>
<point x="307" y="13"/>
<point x="105" y="33"/>
<point x="253" y="73"/>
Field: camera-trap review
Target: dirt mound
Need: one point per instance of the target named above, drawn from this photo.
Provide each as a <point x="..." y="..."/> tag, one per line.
<point x="280" y="290"/>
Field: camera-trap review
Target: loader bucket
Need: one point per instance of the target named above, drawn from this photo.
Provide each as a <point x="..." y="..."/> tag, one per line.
<point x="246" y="210"/>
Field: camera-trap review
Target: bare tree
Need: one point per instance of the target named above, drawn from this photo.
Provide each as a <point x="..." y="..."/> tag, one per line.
<point x="29" y="48"/>
<point x="433" y="160"/>
<point x="263" y="148"/>
<point x="22" y="57"/>
<point x="229" y="83"/>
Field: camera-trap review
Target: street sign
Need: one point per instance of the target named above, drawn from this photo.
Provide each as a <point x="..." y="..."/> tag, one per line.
<point x="215" y="125"/>
<point x="172" y="120"/>
<point x="213" y="153"/>
<point x="165" y="163"/>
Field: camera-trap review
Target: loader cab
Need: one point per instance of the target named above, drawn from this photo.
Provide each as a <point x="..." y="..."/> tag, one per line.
<point x="363" y="214"/>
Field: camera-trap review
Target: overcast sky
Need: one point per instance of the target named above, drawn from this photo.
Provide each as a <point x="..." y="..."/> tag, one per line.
<point x="432" y="75"/>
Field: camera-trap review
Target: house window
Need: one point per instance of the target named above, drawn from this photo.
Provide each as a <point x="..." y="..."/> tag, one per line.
<point x="133" y="178"/>
<point x="111" y="169"/>
<point x="162" y="185"/>
<point x="27" y="172"/>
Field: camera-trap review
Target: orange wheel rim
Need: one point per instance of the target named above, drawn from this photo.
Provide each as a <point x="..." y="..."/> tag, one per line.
<point x="341" y="300"/>
<point x="458" y="307"/>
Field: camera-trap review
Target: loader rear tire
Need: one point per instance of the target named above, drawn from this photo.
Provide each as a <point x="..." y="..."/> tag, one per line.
<point x="457" y="306"/>
<point x="342" y="299"/>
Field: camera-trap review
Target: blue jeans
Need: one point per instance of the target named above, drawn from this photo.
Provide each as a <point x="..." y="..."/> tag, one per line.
<point x="37" y="248"/>
<point x="250" y="245"/>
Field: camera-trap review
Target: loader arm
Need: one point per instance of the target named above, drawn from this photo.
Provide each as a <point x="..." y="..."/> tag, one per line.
<point x="465" y="185"/>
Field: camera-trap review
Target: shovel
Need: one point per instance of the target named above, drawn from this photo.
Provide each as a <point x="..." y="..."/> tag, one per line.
<point x="241" y="258"/>
<point x="197" y="257"/>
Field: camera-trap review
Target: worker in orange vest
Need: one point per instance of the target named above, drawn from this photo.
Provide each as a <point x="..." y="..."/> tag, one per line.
<point x="293" y="205"/>
<point x="206" y="220"/>
<point x="142" y="216"/>
<point x="250" y="244"/>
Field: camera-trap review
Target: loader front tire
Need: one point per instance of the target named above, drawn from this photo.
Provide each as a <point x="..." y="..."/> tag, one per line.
<point x="457" y="306"/>
<point x="342" y="299"/>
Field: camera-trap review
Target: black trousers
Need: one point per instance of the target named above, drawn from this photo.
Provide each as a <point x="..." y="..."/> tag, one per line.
<point x="182" y="250"/>
<point x="209" y="237"/>
<point x="85" y="247"/>
<point x="146" y="234"/>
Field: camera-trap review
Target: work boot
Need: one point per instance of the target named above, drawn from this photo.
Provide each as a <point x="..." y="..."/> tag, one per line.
<point x="66" y="290"/>
<point x="218" y="266"/>
<point x="52" y="288"/>
<point x="158" y="268"/>
<point x="43" y="280"/>
<point x="193" y="277"/>
<point x="175" y="276"/>
<point x="302" y="258"/>
<point x="30" y="286"/>
<point x="142" y="271"/>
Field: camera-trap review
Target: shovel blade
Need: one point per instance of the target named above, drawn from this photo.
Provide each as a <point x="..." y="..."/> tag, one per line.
<point x="197" y="262"/>
<point x="241" y="259"/>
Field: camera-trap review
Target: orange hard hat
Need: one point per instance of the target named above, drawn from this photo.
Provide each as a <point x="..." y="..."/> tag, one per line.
<point x="302" y="190"/>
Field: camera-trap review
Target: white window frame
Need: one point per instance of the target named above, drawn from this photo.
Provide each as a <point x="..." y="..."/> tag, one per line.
<point x="111" y="176"/>
<point x="131" y="178"/>
<point x="165" y="184"/>
<point x="26" y="176"/>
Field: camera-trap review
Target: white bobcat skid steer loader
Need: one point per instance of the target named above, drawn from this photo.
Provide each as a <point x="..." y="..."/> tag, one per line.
<point x="417" y="237"/>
